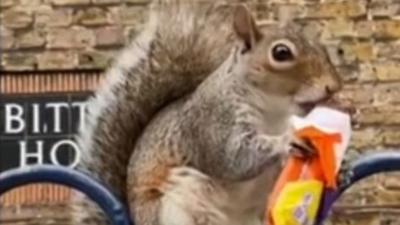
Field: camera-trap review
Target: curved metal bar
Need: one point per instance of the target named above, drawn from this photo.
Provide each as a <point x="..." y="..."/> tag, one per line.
<point x="373" y="164"/>
<point x="362" y="168"/>
<point x="113" y="208"/>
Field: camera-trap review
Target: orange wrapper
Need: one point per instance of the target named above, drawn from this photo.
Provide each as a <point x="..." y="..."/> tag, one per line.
<point x="321" y="167"/>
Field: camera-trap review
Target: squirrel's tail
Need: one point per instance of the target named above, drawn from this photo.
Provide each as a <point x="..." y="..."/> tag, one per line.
<point x="182" y="43"/>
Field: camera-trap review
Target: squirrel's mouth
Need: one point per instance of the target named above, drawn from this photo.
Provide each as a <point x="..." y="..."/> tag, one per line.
<point x="307" y="105"/>
<point x="327" y="101"/>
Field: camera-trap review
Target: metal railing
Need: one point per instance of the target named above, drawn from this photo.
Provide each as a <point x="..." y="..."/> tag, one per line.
<point x="117" y="213"/>
<point x="97" y="192"/>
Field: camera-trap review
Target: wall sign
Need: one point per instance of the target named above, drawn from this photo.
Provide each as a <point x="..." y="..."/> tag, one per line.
<point x="39" y="129"/>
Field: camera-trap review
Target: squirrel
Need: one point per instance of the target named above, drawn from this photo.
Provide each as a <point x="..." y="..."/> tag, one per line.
<point x="181" y="44"/>
<point x="212" y="157"/>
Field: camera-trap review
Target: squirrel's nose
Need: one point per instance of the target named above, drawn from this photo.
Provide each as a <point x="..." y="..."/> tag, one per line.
<point x="332" y="80"/>
<point x="332" y="89"/>
<point x="328" y="90"/>
<point x="333" y="84"/>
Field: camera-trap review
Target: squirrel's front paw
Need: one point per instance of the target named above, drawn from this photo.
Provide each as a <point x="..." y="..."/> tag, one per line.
<point x="302" y="148"/>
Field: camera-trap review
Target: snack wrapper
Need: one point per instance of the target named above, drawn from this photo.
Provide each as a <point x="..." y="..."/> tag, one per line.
<point x="297" y="194"/>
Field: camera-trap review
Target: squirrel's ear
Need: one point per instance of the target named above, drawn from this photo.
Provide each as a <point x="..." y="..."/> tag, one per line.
<point x="245" y="26"/>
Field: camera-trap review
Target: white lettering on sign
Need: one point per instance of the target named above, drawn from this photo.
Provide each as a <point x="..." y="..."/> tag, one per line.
<point x="36" y="118"/>
<point x="35" y="153"/>
<point x="13" y="119"/>
<point x="18" y="117"/>
<point x="82" y="107"/>
<point x="57" y="114"/>
<point x="40" y="130"/>
<point x="54" y="150"/>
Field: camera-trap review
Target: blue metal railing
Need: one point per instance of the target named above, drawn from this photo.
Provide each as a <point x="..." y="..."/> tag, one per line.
<point x="117" y="213"/>
<point x="112" y="207"/>
<point x="364" y="167"/>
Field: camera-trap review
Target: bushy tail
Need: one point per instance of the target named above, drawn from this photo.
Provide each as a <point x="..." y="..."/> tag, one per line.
<point x="182" y="43"/>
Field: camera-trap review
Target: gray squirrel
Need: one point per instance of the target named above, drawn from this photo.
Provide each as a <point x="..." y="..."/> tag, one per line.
<point x="213" y="156"/>
<point x="182" y="44"/>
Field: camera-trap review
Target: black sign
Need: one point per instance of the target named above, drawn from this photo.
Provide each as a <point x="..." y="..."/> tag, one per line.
<point x="39" y="129"/>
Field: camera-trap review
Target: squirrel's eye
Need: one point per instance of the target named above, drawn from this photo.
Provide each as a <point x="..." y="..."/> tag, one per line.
<point x="282" y="52"/>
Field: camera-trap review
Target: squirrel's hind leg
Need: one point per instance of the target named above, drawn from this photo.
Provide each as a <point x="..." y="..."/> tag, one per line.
<point x="187" y="197"/>
<point x="194" y="196"/>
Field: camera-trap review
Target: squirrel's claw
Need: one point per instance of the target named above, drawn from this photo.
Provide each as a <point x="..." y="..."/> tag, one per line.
<point x="302" y="148"/>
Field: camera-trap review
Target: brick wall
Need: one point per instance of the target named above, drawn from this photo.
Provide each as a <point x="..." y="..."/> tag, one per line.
<point x="65" y="34"/>
<point x="363" y="37"/>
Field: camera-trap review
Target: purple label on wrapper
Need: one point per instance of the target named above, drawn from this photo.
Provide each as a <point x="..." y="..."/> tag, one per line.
<point x="329" y="197"/>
